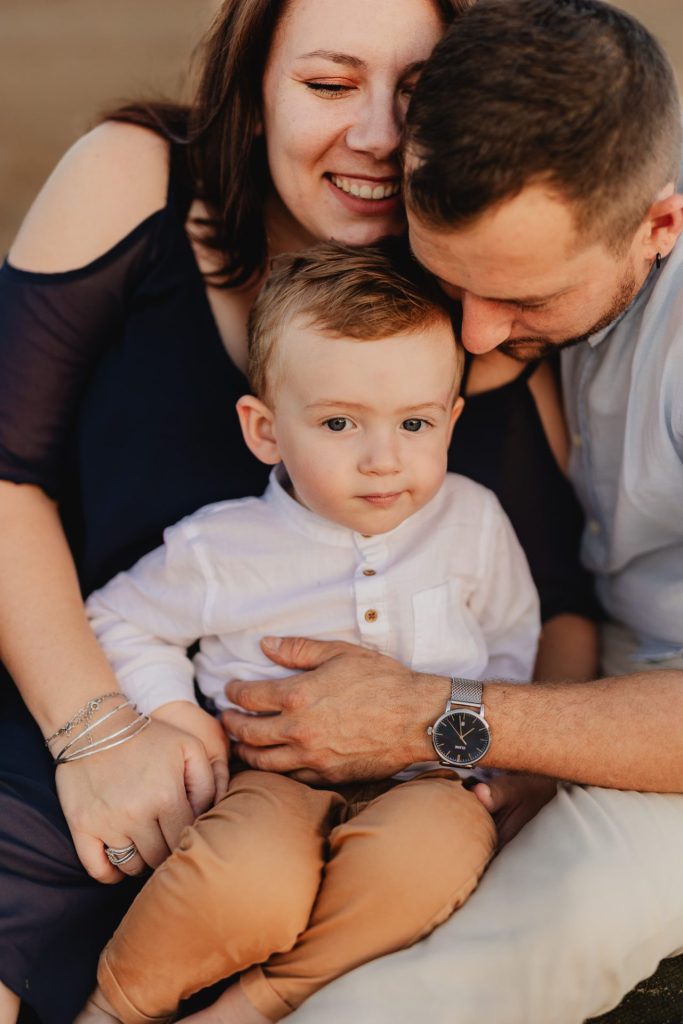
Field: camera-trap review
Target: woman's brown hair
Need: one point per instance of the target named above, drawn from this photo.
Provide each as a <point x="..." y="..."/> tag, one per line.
<point x="220" y="129"/>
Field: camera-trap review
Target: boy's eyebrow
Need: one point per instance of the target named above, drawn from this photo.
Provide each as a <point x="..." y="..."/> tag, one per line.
<point x="330" y="403"/>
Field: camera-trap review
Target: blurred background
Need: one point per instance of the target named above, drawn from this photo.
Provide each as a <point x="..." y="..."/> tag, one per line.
<point x="62" y="61"/>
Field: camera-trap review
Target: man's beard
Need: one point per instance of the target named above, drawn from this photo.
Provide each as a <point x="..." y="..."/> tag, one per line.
<point x="526" y="350"/>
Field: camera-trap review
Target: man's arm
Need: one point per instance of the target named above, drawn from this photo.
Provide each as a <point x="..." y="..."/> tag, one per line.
<point x="359" y="714"/>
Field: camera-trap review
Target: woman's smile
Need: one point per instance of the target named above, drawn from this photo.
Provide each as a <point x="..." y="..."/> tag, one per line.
<point x="335" y="91"/>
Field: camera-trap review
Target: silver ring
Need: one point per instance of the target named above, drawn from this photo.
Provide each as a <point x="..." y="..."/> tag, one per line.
<point x="120" y="856"/>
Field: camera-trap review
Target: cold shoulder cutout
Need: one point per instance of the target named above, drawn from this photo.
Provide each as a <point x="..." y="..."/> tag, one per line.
<point x="118" y="396"/>
<point x="108" y="183"/>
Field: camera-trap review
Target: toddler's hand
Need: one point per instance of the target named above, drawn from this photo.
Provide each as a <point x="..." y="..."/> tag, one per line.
<point x="513" y="800"/>
<point x="183" y="714"/>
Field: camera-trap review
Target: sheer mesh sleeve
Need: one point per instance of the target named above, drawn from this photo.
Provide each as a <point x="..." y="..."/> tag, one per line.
<point x="53" y="330"/>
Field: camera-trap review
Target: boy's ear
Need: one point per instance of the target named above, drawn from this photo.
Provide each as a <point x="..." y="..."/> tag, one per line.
<point x="256" y="421"/>
<point x="458" y="406"/>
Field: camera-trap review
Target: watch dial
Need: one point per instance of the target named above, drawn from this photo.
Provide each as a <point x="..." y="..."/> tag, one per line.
<point x="461" y="737"/>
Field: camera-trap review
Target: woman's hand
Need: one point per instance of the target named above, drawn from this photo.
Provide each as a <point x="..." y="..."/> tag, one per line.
<point x="513" y="800"/>
<point x="189" y="717"/>
<point x="144" y="792"/>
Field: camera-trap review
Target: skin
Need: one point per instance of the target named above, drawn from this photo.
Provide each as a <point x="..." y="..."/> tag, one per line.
<point x="528" y="282"/>
<point x="615" y="732"/>
<point x="335" y="90"/>
<point x="108" y="183"/>
<point x="381" y="412"/>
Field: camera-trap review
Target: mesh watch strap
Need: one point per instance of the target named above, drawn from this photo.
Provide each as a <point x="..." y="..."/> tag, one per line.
<point x="466" y="691"/>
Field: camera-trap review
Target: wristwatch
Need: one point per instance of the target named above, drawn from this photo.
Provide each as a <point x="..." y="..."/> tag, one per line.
<point x="461" y="736"/>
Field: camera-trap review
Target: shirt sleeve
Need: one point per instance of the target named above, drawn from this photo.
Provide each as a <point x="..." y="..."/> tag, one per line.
<point x="146" y="619"/>
<point x="506" y="603"/>
<point x="53" y="330"/>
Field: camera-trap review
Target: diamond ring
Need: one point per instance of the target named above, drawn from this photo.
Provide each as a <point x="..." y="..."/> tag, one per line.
<point x="119" y="856"/>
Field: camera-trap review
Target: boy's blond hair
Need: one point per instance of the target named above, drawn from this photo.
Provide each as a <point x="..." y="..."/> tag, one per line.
<point x="365" y="293"/>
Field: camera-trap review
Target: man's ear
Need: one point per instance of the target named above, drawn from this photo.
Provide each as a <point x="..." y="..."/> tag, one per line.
<point x="458" y="406"/>
<point x="664" y="223"/>
<point x="258" y="429"/>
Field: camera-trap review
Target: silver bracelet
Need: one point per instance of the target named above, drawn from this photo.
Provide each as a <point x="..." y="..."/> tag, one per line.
<point x="93" y="725"/>
<point x="141" y="722"/>
<point x="83" y="714"/>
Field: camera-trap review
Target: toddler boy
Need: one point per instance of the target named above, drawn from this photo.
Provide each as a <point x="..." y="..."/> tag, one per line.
<point x="360" y="536"/>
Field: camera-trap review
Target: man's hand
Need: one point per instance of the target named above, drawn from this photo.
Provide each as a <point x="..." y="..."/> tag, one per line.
<point x="144" y="792"/>
<point x="189" y="717"/>
<point x="354" y="714"/>
<point x="513" y="800"/>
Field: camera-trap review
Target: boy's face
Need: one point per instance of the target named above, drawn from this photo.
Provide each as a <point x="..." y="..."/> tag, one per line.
<point x="363" y="427"/>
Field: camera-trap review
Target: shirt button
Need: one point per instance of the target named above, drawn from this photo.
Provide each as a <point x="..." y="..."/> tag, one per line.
<point x="371" y="615"/>
<point x="577" y="440"/>
<point x="594" y="526"/>
<point x="368" y="572"/>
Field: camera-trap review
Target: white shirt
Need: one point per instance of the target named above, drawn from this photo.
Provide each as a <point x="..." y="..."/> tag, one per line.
<point x="448" y="591"/>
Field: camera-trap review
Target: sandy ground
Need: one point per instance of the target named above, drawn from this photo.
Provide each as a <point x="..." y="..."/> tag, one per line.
<point x="63" y="60"/>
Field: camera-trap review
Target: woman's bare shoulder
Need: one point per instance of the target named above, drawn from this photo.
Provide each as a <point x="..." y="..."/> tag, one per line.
<point x="106" y="184"/>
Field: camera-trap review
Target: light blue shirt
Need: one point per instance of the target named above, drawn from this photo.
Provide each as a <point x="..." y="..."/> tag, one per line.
<point x="623" y="394"/>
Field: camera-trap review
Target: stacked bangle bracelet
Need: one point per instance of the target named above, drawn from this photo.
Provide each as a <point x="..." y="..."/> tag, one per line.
<point x="83" y="744"/>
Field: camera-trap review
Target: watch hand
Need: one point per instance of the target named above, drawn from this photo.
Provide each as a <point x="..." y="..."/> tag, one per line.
<point x="458" y="732"/>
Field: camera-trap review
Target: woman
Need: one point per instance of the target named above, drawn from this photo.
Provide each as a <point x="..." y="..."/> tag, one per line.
<point x="118" y="416"/>
<point x="122" y="344"/>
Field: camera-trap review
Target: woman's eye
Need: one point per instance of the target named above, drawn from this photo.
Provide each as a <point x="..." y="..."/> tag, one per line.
<point x="337" y="423"/>
<point x="414" y="425"/>
<point x="331" y="89"/>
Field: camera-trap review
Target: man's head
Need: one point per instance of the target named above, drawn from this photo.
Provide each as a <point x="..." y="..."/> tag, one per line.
<point x="542" y="151"/>
<point x="355" y="374"/>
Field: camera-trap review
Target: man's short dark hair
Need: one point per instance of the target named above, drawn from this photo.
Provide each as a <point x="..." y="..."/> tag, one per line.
<point x="571" y="94"/>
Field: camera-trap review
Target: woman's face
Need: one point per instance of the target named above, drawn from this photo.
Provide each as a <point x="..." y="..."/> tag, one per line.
<point x="335" y="90"/>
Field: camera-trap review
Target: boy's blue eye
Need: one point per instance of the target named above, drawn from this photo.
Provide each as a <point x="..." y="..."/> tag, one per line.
<point x="413" y="425"/>
<point x="336" y="423"/>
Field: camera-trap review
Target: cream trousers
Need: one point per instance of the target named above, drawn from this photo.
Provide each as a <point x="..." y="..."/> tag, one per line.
<point x="578" y="909"/>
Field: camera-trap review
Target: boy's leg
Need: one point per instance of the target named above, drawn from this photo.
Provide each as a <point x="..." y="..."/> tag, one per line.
<point x="396" y="869"/>
<point x="239" y="887"/>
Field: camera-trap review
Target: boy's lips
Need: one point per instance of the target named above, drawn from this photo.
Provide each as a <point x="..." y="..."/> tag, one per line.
<point x="382" y="500"/>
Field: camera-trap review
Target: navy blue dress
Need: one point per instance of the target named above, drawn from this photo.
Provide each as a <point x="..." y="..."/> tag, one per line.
<point x="117" y="398"/>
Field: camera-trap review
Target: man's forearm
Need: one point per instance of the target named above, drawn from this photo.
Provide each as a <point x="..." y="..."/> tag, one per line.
<point x="623" y="733"/>
<point x="351" y="713"/>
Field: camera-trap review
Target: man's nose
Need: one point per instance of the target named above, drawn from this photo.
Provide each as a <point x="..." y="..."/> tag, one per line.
<point x="485" y="324"/>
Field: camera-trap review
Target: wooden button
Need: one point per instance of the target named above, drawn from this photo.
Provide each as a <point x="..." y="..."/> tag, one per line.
<point x="368" y="572"/>
<point x="371" y="615"/>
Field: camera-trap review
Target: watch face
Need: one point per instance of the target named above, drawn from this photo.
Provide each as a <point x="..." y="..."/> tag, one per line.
<point x="461" y="737"/>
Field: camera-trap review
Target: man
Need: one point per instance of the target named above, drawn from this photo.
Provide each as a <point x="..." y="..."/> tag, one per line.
<point x="542" y="154"/>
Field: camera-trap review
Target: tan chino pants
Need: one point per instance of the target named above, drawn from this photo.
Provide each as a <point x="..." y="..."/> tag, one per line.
<point x="293" y="886"/>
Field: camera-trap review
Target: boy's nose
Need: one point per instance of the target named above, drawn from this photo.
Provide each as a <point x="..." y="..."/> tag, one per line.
<point x="380" y="457"/>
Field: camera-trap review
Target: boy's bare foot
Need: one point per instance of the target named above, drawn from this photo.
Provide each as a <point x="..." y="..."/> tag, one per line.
<point x="97" y="1010"/>
<point x="232" y="1007"/>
